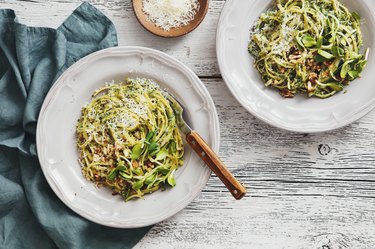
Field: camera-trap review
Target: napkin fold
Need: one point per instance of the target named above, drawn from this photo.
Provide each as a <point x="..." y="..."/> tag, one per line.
<point x="31" y="59"/>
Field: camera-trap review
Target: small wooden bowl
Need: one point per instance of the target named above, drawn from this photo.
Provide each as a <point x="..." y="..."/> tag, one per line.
<point x="174" y="32"/>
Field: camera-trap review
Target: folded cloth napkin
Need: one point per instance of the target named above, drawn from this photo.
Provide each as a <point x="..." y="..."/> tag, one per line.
<point x="31" y="216"/>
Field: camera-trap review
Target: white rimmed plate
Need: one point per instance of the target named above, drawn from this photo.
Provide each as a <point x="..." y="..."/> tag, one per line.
<point x="299" y="114"/>
<point x="56" y="135"/>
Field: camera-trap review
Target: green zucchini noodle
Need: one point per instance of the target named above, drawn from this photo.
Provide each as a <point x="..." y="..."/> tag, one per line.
<point x="308" y="46"/>
<point x="128" y="139"/>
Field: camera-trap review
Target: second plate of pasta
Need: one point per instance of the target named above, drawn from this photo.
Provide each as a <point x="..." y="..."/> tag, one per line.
<point x="299" y="76"/>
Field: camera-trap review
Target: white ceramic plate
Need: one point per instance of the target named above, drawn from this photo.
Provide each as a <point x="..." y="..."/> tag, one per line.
<point x="299" y="114"/>
<point x="56" y="135"/>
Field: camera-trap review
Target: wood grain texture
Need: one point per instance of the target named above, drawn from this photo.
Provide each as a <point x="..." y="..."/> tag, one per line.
<point x="305" y="191"/>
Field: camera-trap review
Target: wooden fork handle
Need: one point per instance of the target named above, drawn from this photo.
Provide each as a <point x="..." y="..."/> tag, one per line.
<point x="215" y="164"/>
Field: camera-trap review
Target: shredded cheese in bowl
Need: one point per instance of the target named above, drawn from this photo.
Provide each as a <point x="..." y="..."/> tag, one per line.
<point x="168" y="14"/>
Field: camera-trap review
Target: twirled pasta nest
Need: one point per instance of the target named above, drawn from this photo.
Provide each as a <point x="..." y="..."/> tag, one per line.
<point x="128" y="139"/>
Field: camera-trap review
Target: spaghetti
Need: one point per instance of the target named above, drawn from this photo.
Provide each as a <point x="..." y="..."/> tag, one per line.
<point x="310" y="46"/>
<point x="128" y="139"/>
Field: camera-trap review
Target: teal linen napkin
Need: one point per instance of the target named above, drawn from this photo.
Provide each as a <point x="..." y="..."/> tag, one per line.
<point x="31" y="58"/>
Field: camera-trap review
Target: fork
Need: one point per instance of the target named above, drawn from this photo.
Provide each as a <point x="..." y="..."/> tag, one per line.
<point x="205" y="152"/>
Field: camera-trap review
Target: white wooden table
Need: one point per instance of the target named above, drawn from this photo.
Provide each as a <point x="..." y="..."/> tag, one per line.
<point x="305" y="191"/>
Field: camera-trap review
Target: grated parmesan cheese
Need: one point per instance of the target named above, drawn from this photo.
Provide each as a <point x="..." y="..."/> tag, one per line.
<point x="286" y="35"/>
<point x="169" y="14"/>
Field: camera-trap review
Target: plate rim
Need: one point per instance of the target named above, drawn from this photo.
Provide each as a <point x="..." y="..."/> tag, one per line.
<point x="364" y="110"/>
<point x="186" y="71"/>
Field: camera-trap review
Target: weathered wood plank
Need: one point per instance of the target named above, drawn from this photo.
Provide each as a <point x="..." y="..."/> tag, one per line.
<point x="340" y="163"/>
<point x="278" y="222"/>
<point x="305" y="191"/>
<point x="197" y="49"/>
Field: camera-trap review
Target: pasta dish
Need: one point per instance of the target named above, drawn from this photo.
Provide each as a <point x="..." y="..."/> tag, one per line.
<point x="128" y="139"/>
<point x="308" y="46"/>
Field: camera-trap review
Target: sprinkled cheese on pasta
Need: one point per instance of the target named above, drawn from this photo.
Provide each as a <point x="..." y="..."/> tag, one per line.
<point x="128" y="139"/>
<point x="308" y="46"/>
